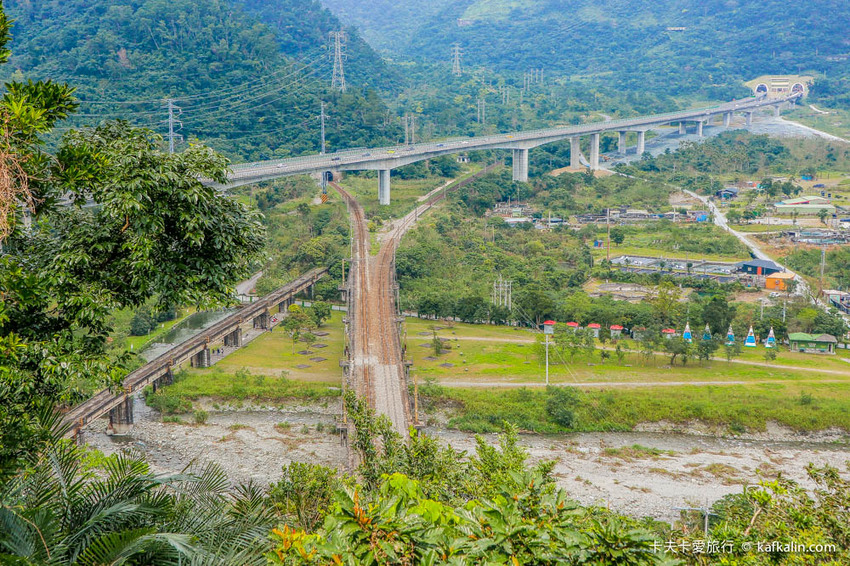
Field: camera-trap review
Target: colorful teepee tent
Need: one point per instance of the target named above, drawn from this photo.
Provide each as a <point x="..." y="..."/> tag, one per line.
<point x="750" y="342"/>
<point x="686" y="335"/>
<point x="706" y="334"/>
<point x="730" y="336"/>
<point x="771" y="339"/>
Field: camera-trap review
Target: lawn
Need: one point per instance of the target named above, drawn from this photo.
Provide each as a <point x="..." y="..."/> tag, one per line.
<point x="483" y="353"/>
<point x="272" y="352"/>
<point x="735" y="408"/>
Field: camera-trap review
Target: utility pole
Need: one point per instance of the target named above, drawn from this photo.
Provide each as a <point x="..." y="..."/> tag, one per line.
<point x="482" y="111"/>
<point x="322" y="118"/>
<point x="172" y="122"/>
<point x="338" y="80"/>
<point x="608" y="228"/>
<point x="456" y="55"/>
<point x="822" y="265"/>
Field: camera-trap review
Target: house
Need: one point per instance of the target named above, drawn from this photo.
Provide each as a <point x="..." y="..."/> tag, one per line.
<point x="638" y="332"/>
<point x="594" y="329"/>
<point x="758" y="267"/>
<point x="668" y="333"/>
<point x="838" y="299"/>
<point x="727" y="193"/>
<point x="804" y="205"/>
<point x="778" y="281"/>
<point x="814" y="343"/>
<point x="572" y="326"/>
<point x="616" y="330"/>
<point x="462" y="158"/>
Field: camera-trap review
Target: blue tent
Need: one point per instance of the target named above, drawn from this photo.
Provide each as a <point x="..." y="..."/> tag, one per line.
<point x="706" y="334"/>
<point x="730" y="336"/>
<point x="771" y="339"/>
<point x="686" y="335"/>
<point x="750" y="342"/>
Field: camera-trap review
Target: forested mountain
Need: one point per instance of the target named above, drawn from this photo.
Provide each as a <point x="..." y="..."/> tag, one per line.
<point x="248" y="76"/>
<point x="675" y="45"/>
<point x="387" y="24"/>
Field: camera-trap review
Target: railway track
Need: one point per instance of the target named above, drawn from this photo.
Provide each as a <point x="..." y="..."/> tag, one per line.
<point x="377" y="364"/>
<point x="377" y="357"/>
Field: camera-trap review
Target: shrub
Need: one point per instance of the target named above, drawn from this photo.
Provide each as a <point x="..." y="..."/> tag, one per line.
<point x="561" y="403"/>
<point x="201" y="416"/>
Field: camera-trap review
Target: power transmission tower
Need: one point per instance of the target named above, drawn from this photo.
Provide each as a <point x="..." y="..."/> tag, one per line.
<point x="174" y="125"/>
<point x="456" y="54"/>
<point x="482" y="111"/>
<point x="409" y="129"/>
<point x="502" y="293"/>
<point x="339" y="39"/>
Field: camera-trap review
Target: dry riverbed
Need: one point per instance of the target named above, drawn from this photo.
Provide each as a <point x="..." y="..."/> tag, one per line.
<point x="644" y="473"/>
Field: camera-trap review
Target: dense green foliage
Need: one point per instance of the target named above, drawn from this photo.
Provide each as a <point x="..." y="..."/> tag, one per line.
<point x="228" y="65"/>
<point x="156" y="232"/>
<point x="74" y="507"/>
<point x="836" y="267"/>
<point x="742" y="155"/>
<point x="621" y="43"/>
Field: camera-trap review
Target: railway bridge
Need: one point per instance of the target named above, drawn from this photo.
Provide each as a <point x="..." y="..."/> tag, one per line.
<point x="197" y="351"/>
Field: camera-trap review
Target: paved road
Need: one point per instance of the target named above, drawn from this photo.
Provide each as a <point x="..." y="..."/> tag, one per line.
<point x="383" y="158"/>
<point x="621" y="384"/>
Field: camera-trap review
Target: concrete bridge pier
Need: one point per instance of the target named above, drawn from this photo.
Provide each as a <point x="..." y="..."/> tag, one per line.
<point x="594" y="151"/>
<point x="384" y="187"/>
<point x="621" y="143"/>
<point x="121" y="418"/>
<point x="575" y="152"/>
<point x="777" y="112"/>
<point x="234" y="339"/>
<point x="520" y="165"/>
<point x="641" y="142"/>
<point x="261" y="321"/>
<point x="727" y="119"/>
<point x="284" y="305"/>
<point x="202" y="359"/>
<point x="166" y="379"/>
<point x="749" y="118"/>
<point x="700" y="125"/>
<point x="682" y="129"/>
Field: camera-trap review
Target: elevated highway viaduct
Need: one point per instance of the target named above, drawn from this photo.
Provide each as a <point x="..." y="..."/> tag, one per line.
<point x="384" y="159"/>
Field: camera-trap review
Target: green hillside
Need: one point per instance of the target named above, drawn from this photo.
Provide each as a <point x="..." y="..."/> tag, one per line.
<point x="676" y="45"/>
<point x="249" y="85"/>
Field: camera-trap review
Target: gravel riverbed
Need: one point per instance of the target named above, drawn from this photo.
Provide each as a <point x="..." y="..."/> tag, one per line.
<point x="676" y="466"/>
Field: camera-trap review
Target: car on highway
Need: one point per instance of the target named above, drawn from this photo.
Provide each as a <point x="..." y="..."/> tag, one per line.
<point x="366" y="155"/>
<point x="441" y="145"/>
<point x="390" y="151"/>
<point x="334" y="158"/>
<point x="280" y="165"/>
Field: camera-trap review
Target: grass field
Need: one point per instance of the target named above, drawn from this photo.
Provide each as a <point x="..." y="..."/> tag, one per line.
<point x="491" y="354"/>
<point x="271" y="353"/>
<point x="486" y="357"/>
<point x="732" y="408"/>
